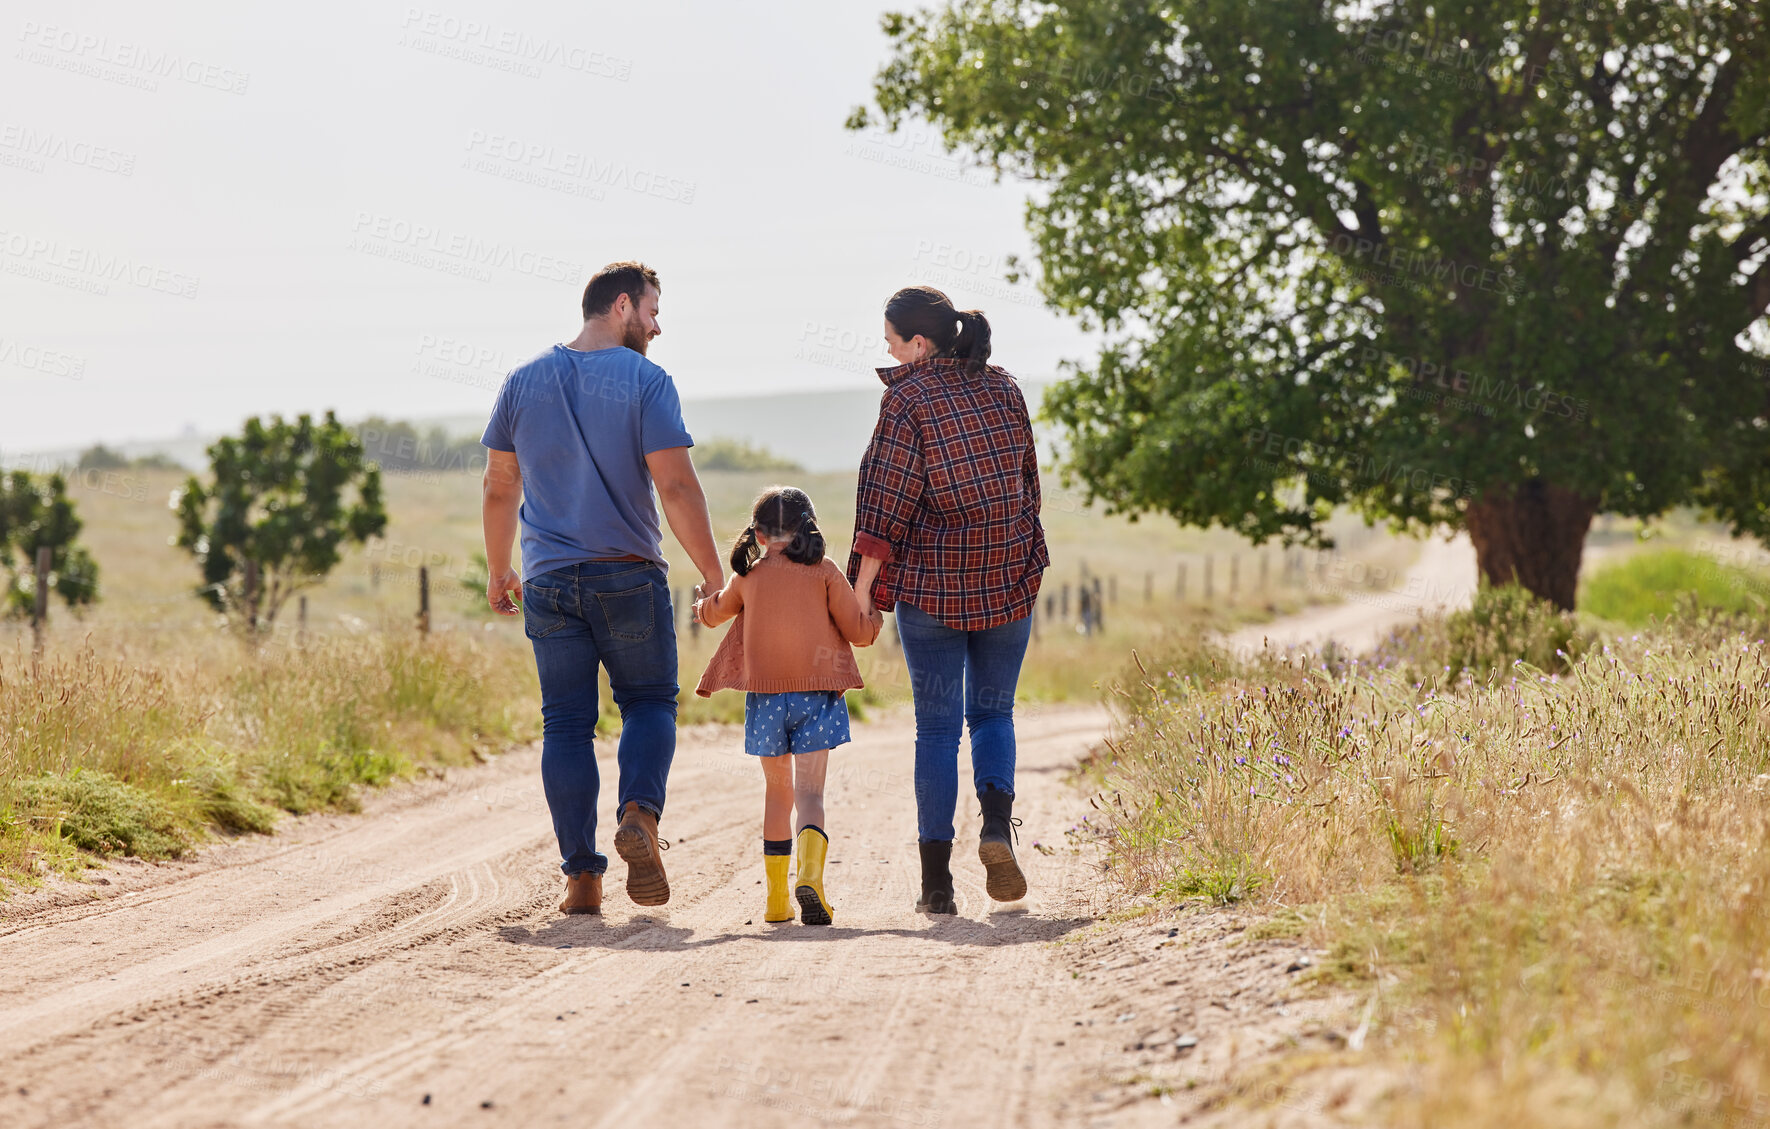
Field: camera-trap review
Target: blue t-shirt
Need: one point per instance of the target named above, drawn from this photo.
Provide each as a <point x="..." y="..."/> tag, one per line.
<point x="581" y="425"/>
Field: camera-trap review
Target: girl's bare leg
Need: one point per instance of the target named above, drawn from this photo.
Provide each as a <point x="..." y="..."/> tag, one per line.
<point x="808" y="788"/>
<point x="777" y="808"/>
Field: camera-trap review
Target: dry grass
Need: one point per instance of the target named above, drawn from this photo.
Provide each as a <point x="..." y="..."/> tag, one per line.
<point x="146" y="741"/>
<point x="1557" y="890"/>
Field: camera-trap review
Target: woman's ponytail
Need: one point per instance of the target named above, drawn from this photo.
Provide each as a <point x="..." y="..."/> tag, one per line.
<point x="922" y="311"/>
<point x="972" y="344"/>
<point x="744" y="551"/>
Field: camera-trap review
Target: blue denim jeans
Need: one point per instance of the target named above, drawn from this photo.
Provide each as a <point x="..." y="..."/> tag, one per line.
<point x="960" y="678"/>
<point x="613" y="614"/>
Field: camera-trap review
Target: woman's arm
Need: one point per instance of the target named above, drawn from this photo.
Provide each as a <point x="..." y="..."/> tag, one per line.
<point x="890" y="490"/>
<point x="870" y="568"/>
<point x="859" y="622"/>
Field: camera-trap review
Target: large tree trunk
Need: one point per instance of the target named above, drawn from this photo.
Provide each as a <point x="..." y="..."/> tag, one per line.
<point x="1533" y="537"/>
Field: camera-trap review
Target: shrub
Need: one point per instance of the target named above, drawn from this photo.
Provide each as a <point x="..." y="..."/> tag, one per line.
<point x="1505" y="625"/>
<point x="736" y="454"/>
<point x="99" y="813"/>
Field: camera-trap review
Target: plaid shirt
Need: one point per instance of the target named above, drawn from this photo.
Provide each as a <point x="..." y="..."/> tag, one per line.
<point x="949" y="497"/>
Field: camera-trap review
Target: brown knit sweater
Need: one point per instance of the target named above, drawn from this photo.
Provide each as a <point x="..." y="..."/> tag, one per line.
<point x="794" y="625"/>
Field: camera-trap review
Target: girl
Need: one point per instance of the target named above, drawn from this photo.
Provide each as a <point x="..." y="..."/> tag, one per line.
<point x="789" y="651"/>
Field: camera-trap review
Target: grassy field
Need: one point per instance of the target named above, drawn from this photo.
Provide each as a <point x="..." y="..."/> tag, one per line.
<point x="148" y="725"/>
<point x="1554" y="892"/>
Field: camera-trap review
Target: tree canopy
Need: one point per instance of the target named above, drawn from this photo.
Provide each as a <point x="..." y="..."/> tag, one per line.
<point x="37" y="513"/>
<point x="1496" y="264"/>
<point x="278" y="500"/>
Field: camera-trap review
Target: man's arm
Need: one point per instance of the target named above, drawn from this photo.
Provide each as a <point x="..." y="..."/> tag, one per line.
<point x="500" y="501"/>
<point x="685" y="508"/>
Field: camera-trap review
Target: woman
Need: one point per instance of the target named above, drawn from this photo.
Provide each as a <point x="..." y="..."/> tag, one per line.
<point x="947" y="530"/>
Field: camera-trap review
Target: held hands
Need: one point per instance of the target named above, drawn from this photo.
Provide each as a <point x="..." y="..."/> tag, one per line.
<point x="498" y="590"/>
<point x="875" y="617"/>
<point x="706" y="594"/>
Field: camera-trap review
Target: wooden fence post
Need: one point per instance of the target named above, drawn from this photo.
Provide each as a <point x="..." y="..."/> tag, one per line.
<point x="252" y="594"/>
<point x="423" y="599"/>
<point x="40" y="606"/>
<point x="1234" y="573"/>
<point x="301" y="620"/>
<point x="1180" y="585"/>
<point x="1207" y="578"/>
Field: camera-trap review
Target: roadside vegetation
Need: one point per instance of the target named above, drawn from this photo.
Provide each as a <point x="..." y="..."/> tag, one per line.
<point x="144" y="746"/>
<point x="1550" y="879"/>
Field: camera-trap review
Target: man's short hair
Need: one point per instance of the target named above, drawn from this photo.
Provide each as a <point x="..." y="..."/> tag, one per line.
<point x="613" y="281"/>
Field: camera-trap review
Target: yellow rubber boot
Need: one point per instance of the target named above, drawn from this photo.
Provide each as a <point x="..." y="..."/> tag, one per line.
<point x="814" y="908"/>
<point x="780" y="907"/>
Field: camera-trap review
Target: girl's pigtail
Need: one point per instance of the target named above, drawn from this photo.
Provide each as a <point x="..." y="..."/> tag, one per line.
<point x="807" y="547"/>
<point x="744" y="552"/>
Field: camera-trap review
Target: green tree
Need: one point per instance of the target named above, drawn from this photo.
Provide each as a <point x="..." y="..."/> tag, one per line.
<point x="100" y="457"/>
<point x="398" y="447"/>
<point x="739" y="454"/>
<point x="37" y="513"/>
<point x="278" y="499"/>
<point x="1496" y="264"/>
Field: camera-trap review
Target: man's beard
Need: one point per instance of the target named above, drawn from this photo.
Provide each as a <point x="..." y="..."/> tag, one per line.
<point x="634" y="335"/>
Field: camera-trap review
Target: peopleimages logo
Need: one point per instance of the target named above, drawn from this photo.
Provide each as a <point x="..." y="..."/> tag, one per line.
<point x="455" y="252"/>
<point x="503" y="48"/>
<point x="40" y="145"/>
<point x="49" y="362"/>
<point x="84" y="268"/>
<point x="566" y="169"/>
<point x="131" y="64"/>
<point x="1436" y="268"/>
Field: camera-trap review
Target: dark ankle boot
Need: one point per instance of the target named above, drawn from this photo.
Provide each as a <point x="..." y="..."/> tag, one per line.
<point x="937" y="877"/>
<point x="995" y="847"/>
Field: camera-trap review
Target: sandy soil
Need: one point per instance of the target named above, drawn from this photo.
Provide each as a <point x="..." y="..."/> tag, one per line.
<point x="406" y="966"/>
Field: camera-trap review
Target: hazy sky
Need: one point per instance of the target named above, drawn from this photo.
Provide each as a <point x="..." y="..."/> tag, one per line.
<point x="213" y="210"/>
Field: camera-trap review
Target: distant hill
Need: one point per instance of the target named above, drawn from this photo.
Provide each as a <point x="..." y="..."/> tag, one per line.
<point x="821" y="431"/>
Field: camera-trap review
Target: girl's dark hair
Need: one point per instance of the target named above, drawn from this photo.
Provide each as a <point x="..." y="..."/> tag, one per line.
<point x="925" y="311"/>
<point x="782" y="513"/>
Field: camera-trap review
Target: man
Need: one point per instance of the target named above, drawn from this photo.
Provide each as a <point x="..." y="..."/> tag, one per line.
<point x="579" y="437"/>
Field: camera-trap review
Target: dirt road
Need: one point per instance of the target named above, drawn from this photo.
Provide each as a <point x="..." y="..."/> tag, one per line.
<point x="406" y="966"/>
<point x="1441" y="580"/>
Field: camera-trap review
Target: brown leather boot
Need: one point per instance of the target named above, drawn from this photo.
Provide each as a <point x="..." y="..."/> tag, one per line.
<point x="637" y="842"/>
<point x="583" y="894"/>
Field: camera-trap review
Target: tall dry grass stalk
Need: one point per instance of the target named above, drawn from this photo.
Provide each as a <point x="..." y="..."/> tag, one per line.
<point x="1556" y="888"/>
